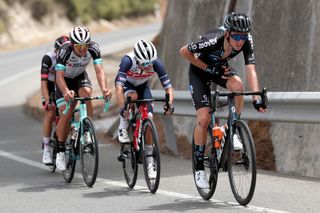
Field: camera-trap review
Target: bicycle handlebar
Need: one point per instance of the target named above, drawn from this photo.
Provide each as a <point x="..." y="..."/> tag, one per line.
<point x="262" y="94"/>
<point x="107" y="102"/>
<point x="129" y="101"/>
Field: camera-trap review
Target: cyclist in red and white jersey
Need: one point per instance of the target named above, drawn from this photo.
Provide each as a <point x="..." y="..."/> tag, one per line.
<point x="47" y="90"/>
<point x="72" y="79"/>
<point x="135" y="70"/>
<point x="209" y="61"/>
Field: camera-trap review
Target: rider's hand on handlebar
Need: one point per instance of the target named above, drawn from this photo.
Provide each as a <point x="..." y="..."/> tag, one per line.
<point x="106" y="93"/>
<point x="168" y="110"/>
<point x="259" y="105"/>
<point x="69" y="95"/>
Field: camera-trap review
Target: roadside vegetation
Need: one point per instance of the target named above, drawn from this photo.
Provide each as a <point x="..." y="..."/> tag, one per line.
<point x="81" y="11"/>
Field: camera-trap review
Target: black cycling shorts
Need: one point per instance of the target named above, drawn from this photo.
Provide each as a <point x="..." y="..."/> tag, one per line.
<point x="199" y="85"/>
<point x="74" y="84"/>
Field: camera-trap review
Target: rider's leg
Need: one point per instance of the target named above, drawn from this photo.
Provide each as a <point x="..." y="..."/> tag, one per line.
<point x="49" y="117"/>
<point x="200" y="136"/>
<point x="234" y="84"/>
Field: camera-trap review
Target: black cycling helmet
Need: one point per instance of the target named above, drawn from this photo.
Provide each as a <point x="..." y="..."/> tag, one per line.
<point x="59" y="41"/>
<point x="237" y="22"/>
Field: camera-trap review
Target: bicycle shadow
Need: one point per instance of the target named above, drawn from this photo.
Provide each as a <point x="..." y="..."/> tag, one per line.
<point x="53" y="186"/>
<point x="183" y="205"/>
<point x="118" y="191"/>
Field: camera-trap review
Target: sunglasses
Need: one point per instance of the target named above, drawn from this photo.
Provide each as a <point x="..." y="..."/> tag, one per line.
<point x="238" y="37"/>
<point x="146" y="64"/>
<point x="81" y="45"/>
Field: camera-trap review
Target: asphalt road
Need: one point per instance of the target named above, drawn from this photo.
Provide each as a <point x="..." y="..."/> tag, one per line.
<point x="26" y="185"/>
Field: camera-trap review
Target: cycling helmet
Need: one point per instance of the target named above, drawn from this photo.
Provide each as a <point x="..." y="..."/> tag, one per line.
<point x="145" y="51"/>
<point x="237" y="22"/>
<point x="59" y="41"/>
<point x="80" y="35"/>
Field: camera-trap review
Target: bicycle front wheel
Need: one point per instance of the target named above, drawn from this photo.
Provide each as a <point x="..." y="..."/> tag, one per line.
<point x="71" y="159"/>
<point x="242" y="164"/>
<point x="129" y="163"/>
<point x="89" y="153"/>
<point x="151" y="155"/>
<point x="210" y="166"/>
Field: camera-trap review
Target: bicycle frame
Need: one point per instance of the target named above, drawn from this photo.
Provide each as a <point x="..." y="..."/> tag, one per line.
<point x="140" y="116"/>
<point x="231" y="118"/>
<point x="83" y="112"/>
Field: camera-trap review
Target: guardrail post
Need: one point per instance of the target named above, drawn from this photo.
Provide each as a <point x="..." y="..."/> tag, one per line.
<point x="168" y="128"/>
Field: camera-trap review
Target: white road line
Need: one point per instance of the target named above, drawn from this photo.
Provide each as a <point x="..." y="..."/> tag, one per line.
<point x="161" y="192"/>
<point x="19" y="75"/>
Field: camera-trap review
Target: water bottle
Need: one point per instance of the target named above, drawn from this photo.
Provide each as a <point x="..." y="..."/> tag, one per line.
<point x="218" y="134"/>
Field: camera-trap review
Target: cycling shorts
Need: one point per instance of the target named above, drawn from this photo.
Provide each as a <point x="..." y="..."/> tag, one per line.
<point x="142" y="90"/>
<point x="74" y="84"/>
<point x="199" y="85"/>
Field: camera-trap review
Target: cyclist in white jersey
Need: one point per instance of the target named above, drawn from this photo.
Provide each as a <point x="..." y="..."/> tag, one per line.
<point x="47" y="91"/>
<point x="72" y="79"/>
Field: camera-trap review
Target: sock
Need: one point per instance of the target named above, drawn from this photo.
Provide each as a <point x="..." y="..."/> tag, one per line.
<point x="61" y="146"/>
<point x="199" y="154"/>
<point x="46" y="142"/>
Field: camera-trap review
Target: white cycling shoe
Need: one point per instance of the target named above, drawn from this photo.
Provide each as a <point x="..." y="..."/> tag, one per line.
<point x="152" y="173"/>
<point x="201" y="179"/>
<point x="46" y="158"/>
<point x="123" y="136"/>
<point x="237" y="145"/>
<point x="61" y="161"/>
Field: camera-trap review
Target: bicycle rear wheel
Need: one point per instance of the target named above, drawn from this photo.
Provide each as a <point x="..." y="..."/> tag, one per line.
<point x="150" y="137"/>
<point x="89" y="153"/>
<point x="71" y="159"/>
<point x="129" y="163"/>
<point x="210" y="166"/>
<point x="242" y="165"/>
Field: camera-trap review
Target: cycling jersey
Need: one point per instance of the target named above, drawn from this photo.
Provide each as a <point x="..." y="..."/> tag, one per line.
<point x="47" y="66"/>
<point x="74" y="65"/>
<point x="210" y="48"/>
<point x="130" y="72"/>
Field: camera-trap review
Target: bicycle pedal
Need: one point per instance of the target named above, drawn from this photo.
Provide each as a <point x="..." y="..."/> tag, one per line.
<point x="120" y="158"/>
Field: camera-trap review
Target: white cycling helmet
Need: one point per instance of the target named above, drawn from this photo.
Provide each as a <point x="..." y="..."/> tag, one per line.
<point x="145" y="51"/>
<point x="80" y="35"/>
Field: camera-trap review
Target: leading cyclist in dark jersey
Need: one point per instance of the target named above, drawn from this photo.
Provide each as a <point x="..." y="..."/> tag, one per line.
<point x="72" y="79"/>
<point x="209" y="61"/>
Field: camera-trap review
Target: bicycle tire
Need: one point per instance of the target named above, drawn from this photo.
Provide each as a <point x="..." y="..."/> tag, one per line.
<point x="89" y="153"/>
<point x="70" y="160"/>
<point x="242" y="165"/>
<point x="130" y="163"/>
<point x="210" y="166"/>
<point x="53" y="151"/>
<point x="152" y="184"/>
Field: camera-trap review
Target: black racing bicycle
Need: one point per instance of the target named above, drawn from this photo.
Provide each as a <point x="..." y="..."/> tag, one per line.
<point x="240" y="164"/>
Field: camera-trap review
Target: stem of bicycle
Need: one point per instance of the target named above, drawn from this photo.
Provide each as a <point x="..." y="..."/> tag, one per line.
<point x="83" y="115"/>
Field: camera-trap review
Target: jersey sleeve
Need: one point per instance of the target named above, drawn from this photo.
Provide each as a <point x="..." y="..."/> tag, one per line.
<point x="62" y="56"/>
<point x="46" y="64"/>
<point x="164" y="78"/>
<point x="124" y="66"/>
<point x="207" y="43"/>
<point x="248" y="52"/>
<point x="95" y="52"/>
